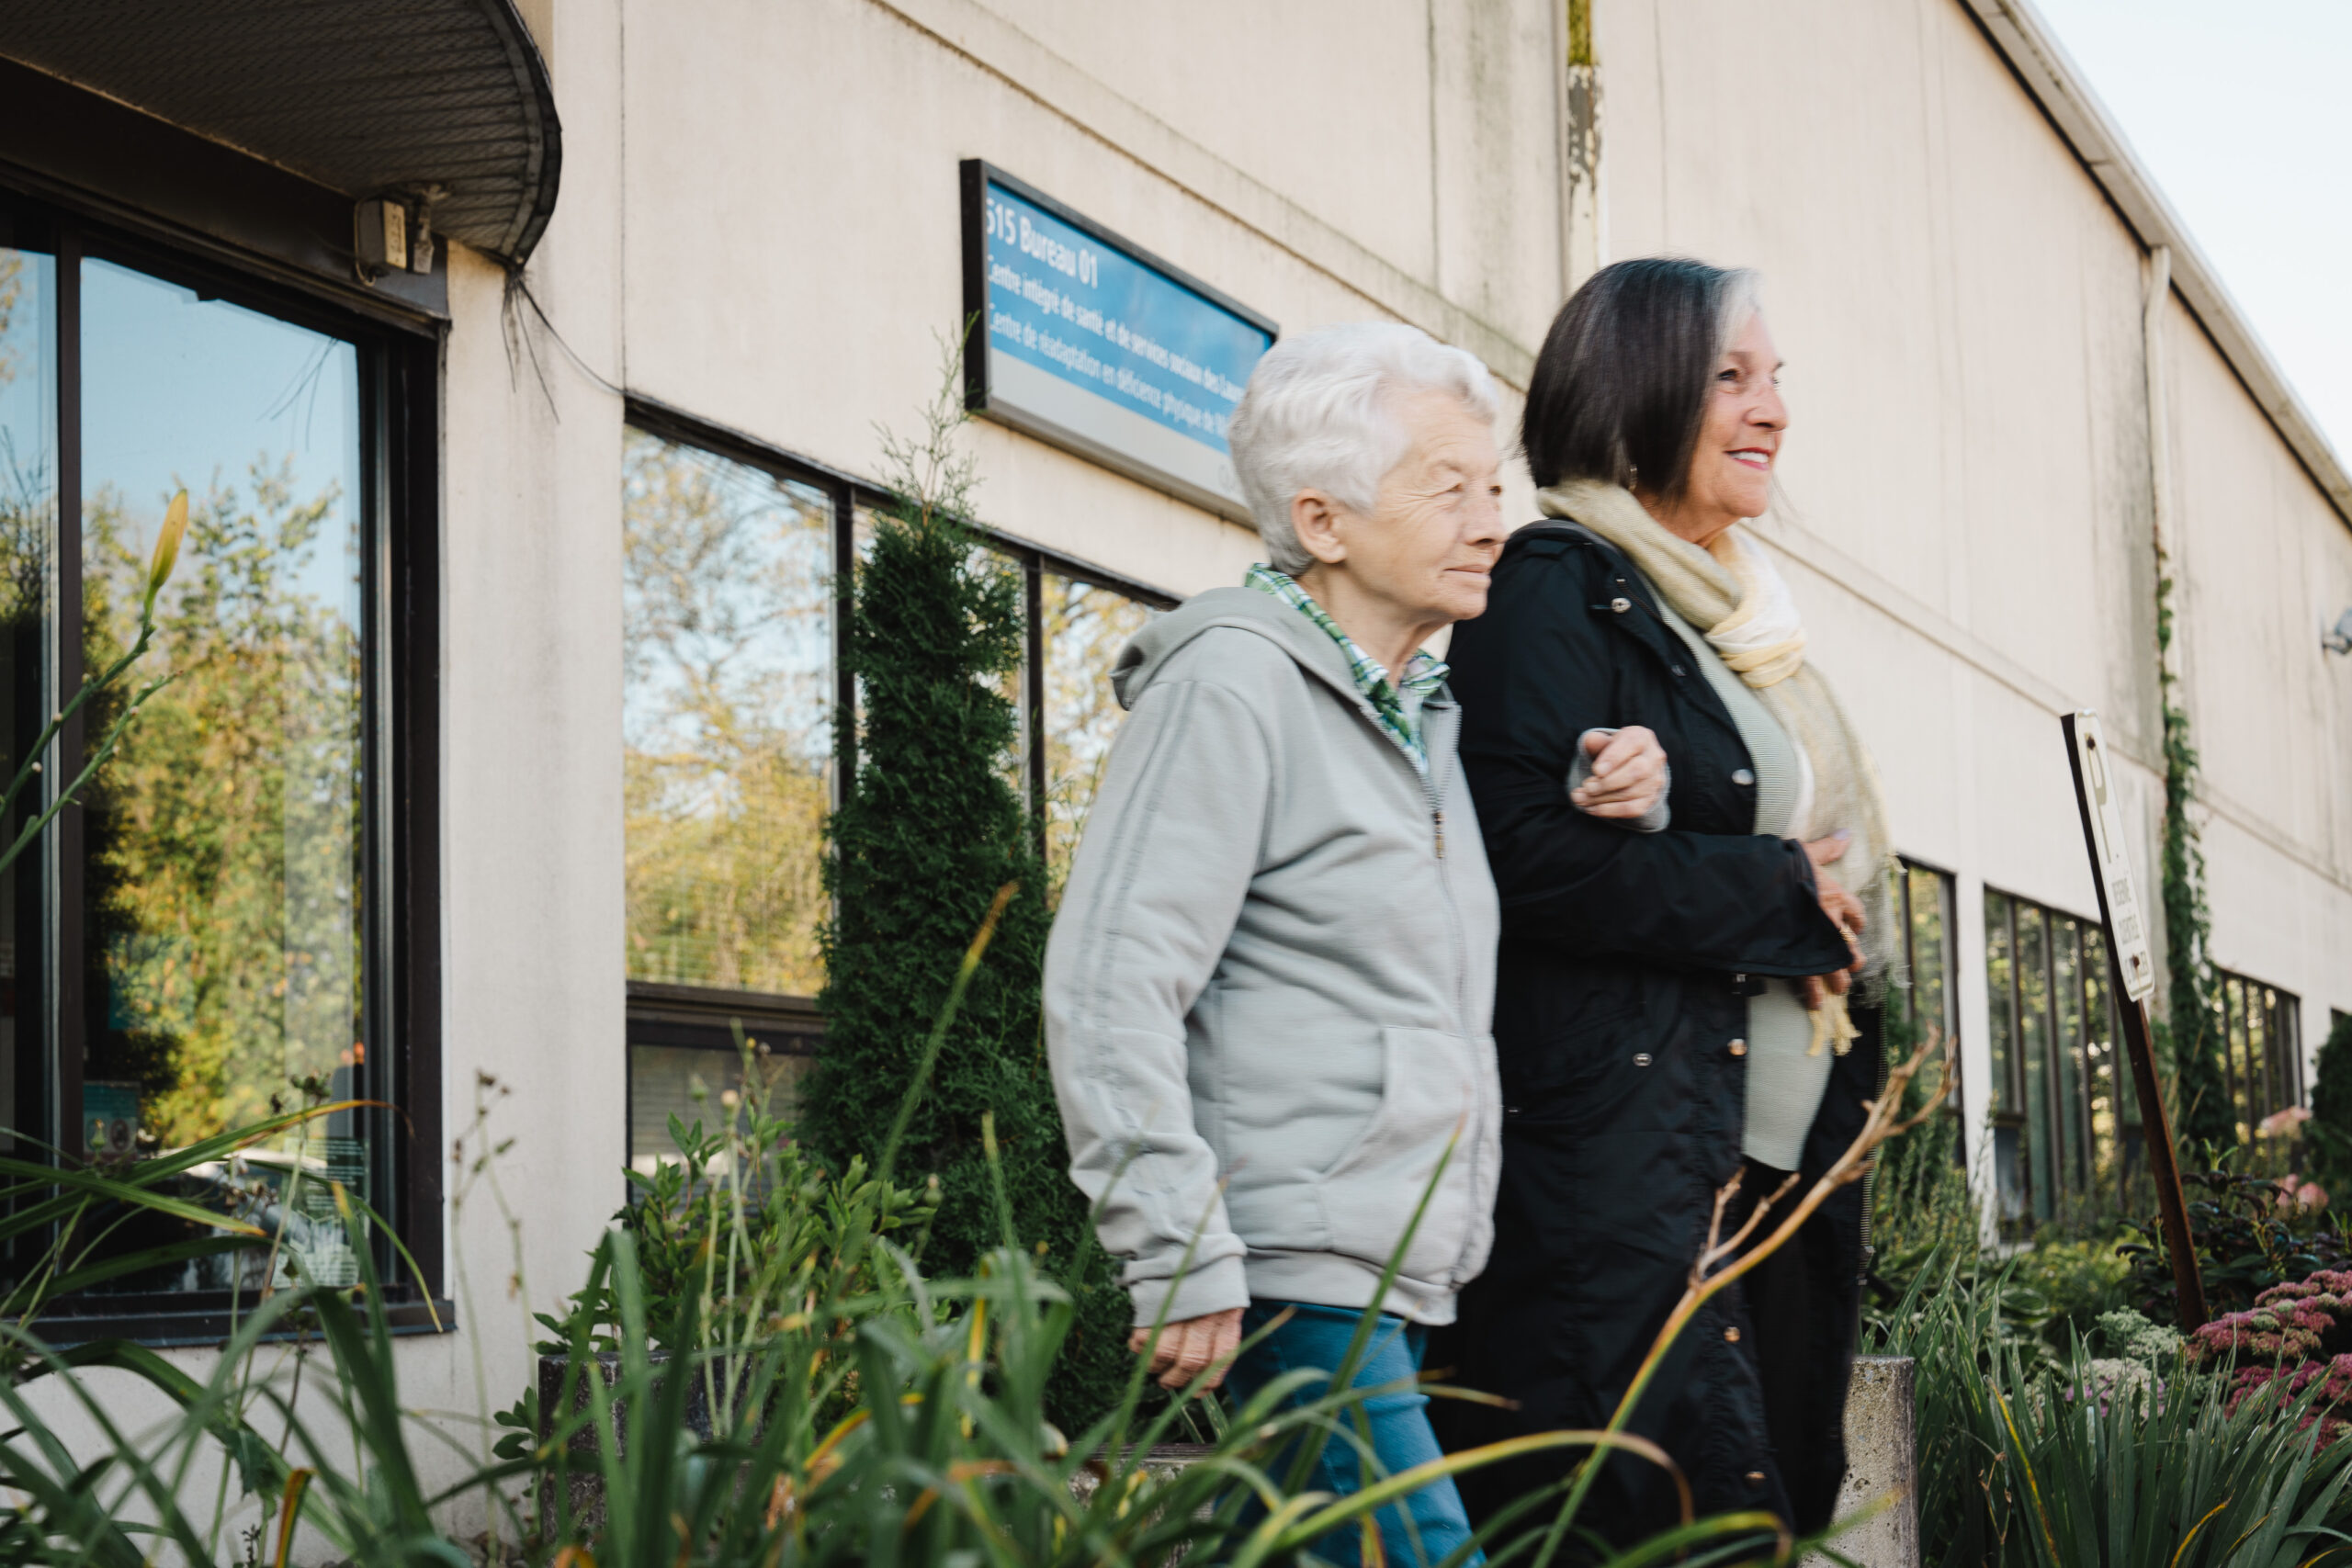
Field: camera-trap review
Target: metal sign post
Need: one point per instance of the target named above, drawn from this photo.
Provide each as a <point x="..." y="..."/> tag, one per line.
<point x="2133" y="970"/>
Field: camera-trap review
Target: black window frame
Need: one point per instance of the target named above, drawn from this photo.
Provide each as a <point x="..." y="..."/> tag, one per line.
<point x="702" y="1017"/>
<point x="2067" y="1126"/>
<point x="1947" y="915"/>
<point x="2280" y="1083"/>
<point x="400" y="355"/>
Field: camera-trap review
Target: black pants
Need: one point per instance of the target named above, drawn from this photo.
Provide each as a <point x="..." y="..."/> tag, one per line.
<point x="1804" y="1302"/>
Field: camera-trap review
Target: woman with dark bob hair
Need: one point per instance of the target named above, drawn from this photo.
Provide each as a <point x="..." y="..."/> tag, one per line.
<point x="1673" y="1008"/>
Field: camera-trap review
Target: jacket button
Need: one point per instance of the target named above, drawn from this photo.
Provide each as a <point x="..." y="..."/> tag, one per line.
<point x="1641" y="1058"/>
<point x="1737" y="1047"/>
<point x="1756" y="1478"/>
<point x="1740" y="777"/>
<point x="1620" y="604"/>
<point x="1730" y="1336"/>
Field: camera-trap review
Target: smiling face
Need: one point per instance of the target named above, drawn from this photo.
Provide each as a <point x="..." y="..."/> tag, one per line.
<point x="1739" y="440"/>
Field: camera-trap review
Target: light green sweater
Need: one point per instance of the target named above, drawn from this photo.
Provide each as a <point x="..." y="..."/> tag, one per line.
<point x="1784" y="1083"/>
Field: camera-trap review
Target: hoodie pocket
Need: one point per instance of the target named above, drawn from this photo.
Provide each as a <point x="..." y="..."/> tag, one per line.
<point x="1430" y="1119"/>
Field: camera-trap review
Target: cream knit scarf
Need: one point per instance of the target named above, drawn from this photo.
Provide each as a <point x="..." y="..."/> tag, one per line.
<point x="1732" y="594"/>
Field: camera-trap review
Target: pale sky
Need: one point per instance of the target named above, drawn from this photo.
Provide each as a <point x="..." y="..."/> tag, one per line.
<point x="2242" y="112"/>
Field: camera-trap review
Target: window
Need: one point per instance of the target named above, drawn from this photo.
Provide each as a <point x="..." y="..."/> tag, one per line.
<point x="215" y="933"/>
<point x="2260" y="1028"/>
<point x="736" y="567"/>
<point x="2065" y="1124"/>
<point x="727" y="716"/>
<point x="1084" y="626"/>
<point x="1923" y="905"/>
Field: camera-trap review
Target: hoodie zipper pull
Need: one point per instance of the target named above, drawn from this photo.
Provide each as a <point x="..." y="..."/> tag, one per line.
<point x="1437" y="815"/>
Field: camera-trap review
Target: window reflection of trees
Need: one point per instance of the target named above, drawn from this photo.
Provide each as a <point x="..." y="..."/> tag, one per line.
<point x="727" y="719"/>
<point x="28" y="471"/>
<point x="225" y="837"/>
<point x="1085" y="626"/>
<point x="28" y="523"/>
<point x="12" y="294"/>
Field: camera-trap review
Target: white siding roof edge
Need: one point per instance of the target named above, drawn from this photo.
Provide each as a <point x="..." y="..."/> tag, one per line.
<point x="2043" y="65"/>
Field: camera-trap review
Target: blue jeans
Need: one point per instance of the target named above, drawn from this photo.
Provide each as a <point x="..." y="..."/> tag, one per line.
<point x="1422" y="1528"/>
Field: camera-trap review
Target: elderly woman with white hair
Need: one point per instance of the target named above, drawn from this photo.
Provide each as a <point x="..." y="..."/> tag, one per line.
<point x="1269" y="984"/>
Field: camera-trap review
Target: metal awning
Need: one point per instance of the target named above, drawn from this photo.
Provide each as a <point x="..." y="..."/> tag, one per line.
<point x="367" y="97"/>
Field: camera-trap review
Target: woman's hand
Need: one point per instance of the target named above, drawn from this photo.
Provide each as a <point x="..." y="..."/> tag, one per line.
<point x="1840" y="905"/>
<point x="1184" y="1349"/>
<point x="1628" y="774"/>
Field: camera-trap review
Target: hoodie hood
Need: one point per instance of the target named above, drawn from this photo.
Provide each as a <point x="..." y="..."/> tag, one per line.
<point x="1244" y="609"/>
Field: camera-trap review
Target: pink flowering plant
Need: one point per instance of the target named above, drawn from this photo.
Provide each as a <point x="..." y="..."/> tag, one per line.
<point x="2294" y="1337"/>
<point x="2326" y="1410"/>
<point x="2286" y="1321"/>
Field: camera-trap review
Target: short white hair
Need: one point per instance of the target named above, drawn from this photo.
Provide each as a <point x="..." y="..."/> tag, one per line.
<point x="1319" y="413"/>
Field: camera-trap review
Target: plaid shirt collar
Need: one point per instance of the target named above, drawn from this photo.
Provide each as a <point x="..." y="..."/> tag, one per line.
<point x="1398" y="706"/>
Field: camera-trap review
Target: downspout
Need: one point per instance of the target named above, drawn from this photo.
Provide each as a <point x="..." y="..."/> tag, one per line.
<point x="1580" y="155"/>
<point x="2160" y="503"/>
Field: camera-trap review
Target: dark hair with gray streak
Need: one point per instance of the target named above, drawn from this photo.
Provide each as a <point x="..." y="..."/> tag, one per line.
<point x="1621" y="387"/>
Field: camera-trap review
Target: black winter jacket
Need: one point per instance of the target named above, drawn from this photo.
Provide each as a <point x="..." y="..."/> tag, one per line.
<point x="1624" y="970"/>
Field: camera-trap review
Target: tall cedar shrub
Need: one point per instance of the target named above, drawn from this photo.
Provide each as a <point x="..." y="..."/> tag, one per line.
<point x="2327" y="1137"/>
<point x="928" y="827"/>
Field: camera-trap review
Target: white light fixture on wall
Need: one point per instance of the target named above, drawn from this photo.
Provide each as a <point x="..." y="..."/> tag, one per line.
<point x="2338" y="640"/>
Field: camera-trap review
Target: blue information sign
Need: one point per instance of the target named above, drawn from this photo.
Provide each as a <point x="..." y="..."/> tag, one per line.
<point x="1092" y="344"/>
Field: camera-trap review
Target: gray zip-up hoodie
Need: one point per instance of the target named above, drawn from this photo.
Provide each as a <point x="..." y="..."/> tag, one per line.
<point x="1270" y="987"/>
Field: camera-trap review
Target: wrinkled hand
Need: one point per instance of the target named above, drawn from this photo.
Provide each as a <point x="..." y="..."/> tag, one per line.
<point x="1628" y="775"/>
<point x="1184" y="1348"/>
<point x="1840" y="905"/>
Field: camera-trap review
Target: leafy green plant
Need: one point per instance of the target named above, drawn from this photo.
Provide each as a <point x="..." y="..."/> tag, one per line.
<point x="1927" y="1223"/>
<point x="2247" y="1240"/>
<point x="1923" y="1212"/>
<point x="739" y="1253"/>
<point x="2057" y="1290"/>
<point x="1920" y="1202"/>
<point x="2116" y="1461"/>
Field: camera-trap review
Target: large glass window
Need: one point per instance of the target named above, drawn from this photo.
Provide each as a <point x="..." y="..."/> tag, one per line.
<point x="737" y="563"/>
<point x="1085" y="625"/>
<point x="1923" y="905"/>
<point x="28" y="474"/>
<point x="206" y="940"/>
<point x="2261" y="1027"/>
<point x="2003" y="1102"/>
<point x="2065" y="1128"/>
<point x="221" y="906"/>
<point x="727" y="717"/>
